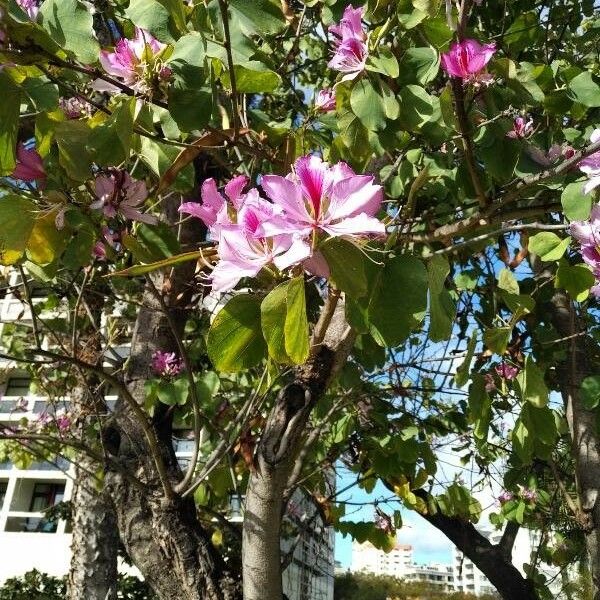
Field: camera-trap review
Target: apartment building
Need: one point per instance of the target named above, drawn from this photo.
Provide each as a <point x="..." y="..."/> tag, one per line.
<point x="30" y="539"/>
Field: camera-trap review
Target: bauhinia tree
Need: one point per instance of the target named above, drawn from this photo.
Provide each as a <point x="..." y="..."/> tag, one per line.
<point x="305" y="235"/>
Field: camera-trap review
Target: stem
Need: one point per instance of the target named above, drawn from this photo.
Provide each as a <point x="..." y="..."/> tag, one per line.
<point x="227" y="44"/>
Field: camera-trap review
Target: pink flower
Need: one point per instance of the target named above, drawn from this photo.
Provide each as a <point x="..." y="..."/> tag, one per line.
<point x="131" y="61"/>
<point x="506" y="371"/>
<point x="119" y="193"/>
<point x="325" y="100"/>
<point x="31" y="7"/>
<point x="62" y="420"/>
<point x="591" y="165"/>
<point x="30" y="166"/>
<point x="521" y="129"/>
<point x="166" y="364"/>
<point x="213" y="210"/>
<point x="319" y="197"/>
<point x="505" y="496"/>
<point x="528" y="494"/>
<point x="467" y="58"/>
<point x="75" y="108"/>
<point x="351" y="51"/>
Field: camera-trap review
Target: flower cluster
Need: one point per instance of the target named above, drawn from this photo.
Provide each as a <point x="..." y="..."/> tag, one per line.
<point x="506" y="371"/>
<point x="467" y="59"/>
<point x="351" y="50"/>
<point x="75" y="108"/>
<point x="30" y="166"/>
<point x="135" y="62"/>
<point x="529" y="495"/>
<point x="119" y="194"/>
<point x="591" y="165"/>
<point x="587" y="233"/>
<point x="505" y="497"/>
<point x="315" y="200"/>
<point x="521" y="129"/>
<point x="166" y="364"/>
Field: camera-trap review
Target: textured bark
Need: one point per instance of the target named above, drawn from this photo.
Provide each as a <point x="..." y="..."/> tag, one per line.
<point x="280" y="442"/>
<point x="583" y="427"/>
<point x="162" y="534"/>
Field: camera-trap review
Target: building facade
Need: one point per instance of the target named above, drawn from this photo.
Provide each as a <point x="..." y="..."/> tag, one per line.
<point x="30" y="539"/>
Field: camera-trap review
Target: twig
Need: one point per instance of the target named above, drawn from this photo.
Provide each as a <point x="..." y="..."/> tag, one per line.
<point x="230" y="65"/>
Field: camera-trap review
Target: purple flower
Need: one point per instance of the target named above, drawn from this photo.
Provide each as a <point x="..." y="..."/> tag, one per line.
<point x="119" y="193"/>
<point x="316" y="196"/>
<point x="166" y="364"/>
<point x="506" y="371"/>
<point x="30" y="166"/>
<point x="591" y="165"/>
<point x="467" y="58"/>
<point x="62" y="420"/>
<point x="31" y="7"/>
<point x="521" y="129"/>
<point x="131" y="61"/>
<point x="527" y="494"/>
<point x="325" y="100"/>
<point x="75" y="108"/>
<point x="351" y="51"/>
<point x="505" y="496"/>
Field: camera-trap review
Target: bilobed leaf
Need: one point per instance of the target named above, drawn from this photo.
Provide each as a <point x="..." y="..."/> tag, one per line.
<point x="152" y="16"/>
<point x="522" y="441"/>
<point x="45" y="242"/>
<point x="416" y="107"/>
<point x="273" y="311"/>
<point x="590" y="392"/>
<point x="442" y="307"/>
<point x="16" y="223"/>
<point x="9" y="123"/>
<point x="70" y="25"/>
<point x="541" y="421"/>
<point x="252" y="78"/>
<point x="576" y="279"/>
<point x="235" y="341"/>
<point x="583" y="89"/>
<point x="368" y="105"/>
<point x="259" y="16"/>
<point x="507" y="281"/>
<point x="419" y="65"/>
<point x="173" y="393"/>
<point x="72" y="138"/>
<point x="548" y="246"/>
<point x="531" y="384"/>
<point x="576" y="205"/>
<point x="110" y="142"/>
<point x="480" y="407"/>
<point x="496" y="339"/>
<point x="347" y="266"/>
<point x="384" y="62"/>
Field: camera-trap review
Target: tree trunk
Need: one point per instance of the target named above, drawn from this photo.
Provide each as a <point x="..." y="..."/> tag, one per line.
<point x="278" y="448"/>
<point x="583" y="427"/>
<point x="159" y="529"/>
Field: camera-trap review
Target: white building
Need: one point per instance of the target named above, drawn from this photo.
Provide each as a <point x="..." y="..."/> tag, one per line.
<point x="29" y="540"/>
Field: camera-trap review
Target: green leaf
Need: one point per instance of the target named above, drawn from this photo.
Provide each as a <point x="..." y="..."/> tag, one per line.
<point x="548" y="246"/>
<point x="523" y="32"/>
<point x="252" y="78"/>
<point x="590" y="392"/>
<point x="70" y="24"/>
<point x="347" y="266"/>
<point x="466" y="280"/>
<point x="284" y="323"/>
<point x="480" y="407"/>
<point x="152" y="16"/>
<point x="187" y="60"/>
<point x="507" y="281"/>
<point x="384" y="62"/>
<point x="584" y="89"/>
<point x="576" y="205"/>
<point x="16" y="223"/>
<point x="419" y="65"/>
<point x="235" y="341"/>
<point x="259" y="16"/>
<point x="191" y="108"/>
<point x="531" y="384"/>
<point x="42" y="94"/>
<point x="442" y="307"/>
<point x="398" y="299"/>
<point x="496" y="339"/>
<point x="45" y="242"/>
<point x="296" y="323"/>
<point x="9" y="123"/>
<point x="462" y="372"/>
<point x="576" y="279"/>
<point x="541" y="422"/>
<point x="110" y="142"/>
<point x="522" y="442"/>
<point x="72" y="138"/>
<point x="207" y="384"/>
<point x="159" y="157"/>
<point x="367" y="104"/>
<point x="137" y="270"/>
<point x="173" y="393"/>
<point x="416" y="107"/>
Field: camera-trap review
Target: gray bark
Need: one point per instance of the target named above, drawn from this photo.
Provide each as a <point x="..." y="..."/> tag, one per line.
<point x="583" y="427"/>
<point x="275" y="458"/>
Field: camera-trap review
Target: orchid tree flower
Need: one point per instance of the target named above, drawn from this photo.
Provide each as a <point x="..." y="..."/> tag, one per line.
<point x="119" y="194"/>
<point x="591" y="165"/>
<point x="30" y="166"/>
<point x="521" y="129"/>
<point x="31" y="7"/>
<point x="325" y="100"/>
<point x="318" y="197"/>
<point x="467" y="58"/>
<point x="587" y="233"/>
<point x="132" y="61"/>
<point x="350" y="48"/>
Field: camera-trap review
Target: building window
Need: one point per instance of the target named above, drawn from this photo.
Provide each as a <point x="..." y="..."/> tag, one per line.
<point x="46" y="495"/>
<point x="3" y="487"/>
<point x="17" y="386"/>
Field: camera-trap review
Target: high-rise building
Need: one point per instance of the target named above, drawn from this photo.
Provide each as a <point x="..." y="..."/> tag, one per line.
<point x="29" y="539"/>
